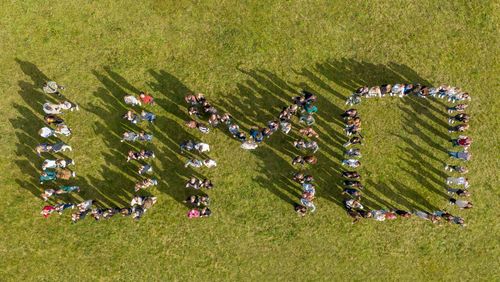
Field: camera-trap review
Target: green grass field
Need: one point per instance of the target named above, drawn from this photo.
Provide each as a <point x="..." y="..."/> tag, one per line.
<point x="249" y="58"/>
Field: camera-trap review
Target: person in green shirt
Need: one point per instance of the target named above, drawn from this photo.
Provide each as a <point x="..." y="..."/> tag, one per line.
<point x="47" y="175"/>
<point x="310" y="109"/>
<point x="67" y="189"/>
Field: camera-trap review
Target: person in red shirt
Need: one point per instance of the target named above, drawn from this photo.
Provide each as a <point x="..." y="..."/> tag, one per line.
<point x="463" y="141"/>
<point x="47" y="211"/>
<point x="146" y="98"/>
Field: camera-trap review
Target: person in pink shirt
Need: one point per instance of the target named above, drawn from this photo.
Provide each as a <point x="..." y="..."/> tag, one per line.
<point x="194" y="213"/>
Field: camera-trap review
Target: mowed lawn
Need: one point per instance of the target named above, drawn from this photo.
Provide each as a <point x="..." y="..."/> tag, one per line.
<point x="249" y="58"/>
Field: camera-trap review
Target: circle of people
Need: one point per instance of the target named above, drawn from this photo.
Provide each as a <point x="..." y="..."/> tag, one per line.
<point x="457" y="186"/>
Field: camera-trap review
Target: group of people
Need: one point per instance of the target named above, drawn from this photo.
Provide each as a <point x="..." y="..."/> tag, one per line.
<point x="55" y="169"/>
<point x="457" y="186"/>
<point x="140" y="204"/>
<point x="199" y="108"/>
<point x="137" y="208"/>
<point x="452" y="94"/>
<point x="303" y="107"/>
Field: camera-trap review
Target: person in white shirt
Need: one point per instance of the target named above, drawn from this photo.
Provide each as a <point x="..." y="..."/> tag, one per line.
<point x="131" y="100"/>
<point x="457" y="181"/>
<point x="51" y="87"/>
<point x="209" y="163"/>
<point x="202" y="147"/>
<point x="46" y="132"/>
<point x="84" y="206"/>
<point x="59" y="163"/>
<point x="63" y="130"/>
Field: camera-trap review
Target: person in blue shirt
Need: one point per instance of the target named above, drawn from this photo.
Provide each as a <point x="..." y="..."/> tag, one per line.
<point x="48" y="175"/>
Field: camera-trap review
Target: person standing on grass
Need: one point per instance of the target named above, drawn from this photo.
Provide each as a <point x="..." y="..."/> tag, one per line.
<point x="463" y="141"/>
<point x="456" y="168"/>
<point x="460" y="118"/>
<point x="459" y="128"/>
<point x="51" y="87"/>
<point x="148" y="116"/>
<point x="48" y="175"/>
<point x="458" y="192"/>
<point x="464" y="155"/>
<point x="458" y="181"/>
<point x="58" y="163"/>
<point x="353" y="141"/>
<point x="353" y="163"/>
<point x="47" y="211"/>
<point x="146" y="99"/>
<point x="457" y="108"/>
<point x="63" y="206"/>
<point x="462" y="204"/>
<point x="307" y="201"/>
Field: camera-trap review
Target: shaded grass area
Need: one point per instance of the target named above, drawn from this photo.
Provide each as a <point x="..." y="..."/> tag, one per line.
<point x="249" y="59"/>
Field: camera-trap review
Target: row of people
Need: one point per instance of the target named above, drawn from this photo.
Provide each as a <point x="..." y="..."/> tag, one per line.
<point x="303" y="106"/>
<point x="357" y="212"/>
<point x="140" y="204"/>
<point x="199" y="107"/>
<point x="308" y="193"/>
<point x="465" y="143"/>
<point x="453" y="94"/>
<point x="55" y="169"/>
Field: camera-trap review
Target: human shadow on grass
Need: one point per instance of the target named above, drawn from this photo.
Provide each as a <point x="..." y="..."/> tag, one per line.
<point x="172" y="102"/>
<point x="26" y="126"/>
<point x="111" y="126"/>
<point x="259" y="100"/>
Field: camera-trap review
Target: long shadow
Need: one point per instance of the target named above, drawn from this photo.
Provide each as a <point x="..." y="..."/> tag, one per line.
<point x="351" y="74"/>
<point x="172" y="102"/>
<point x="259" y="100"/>
<point x="26" y="125"/>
